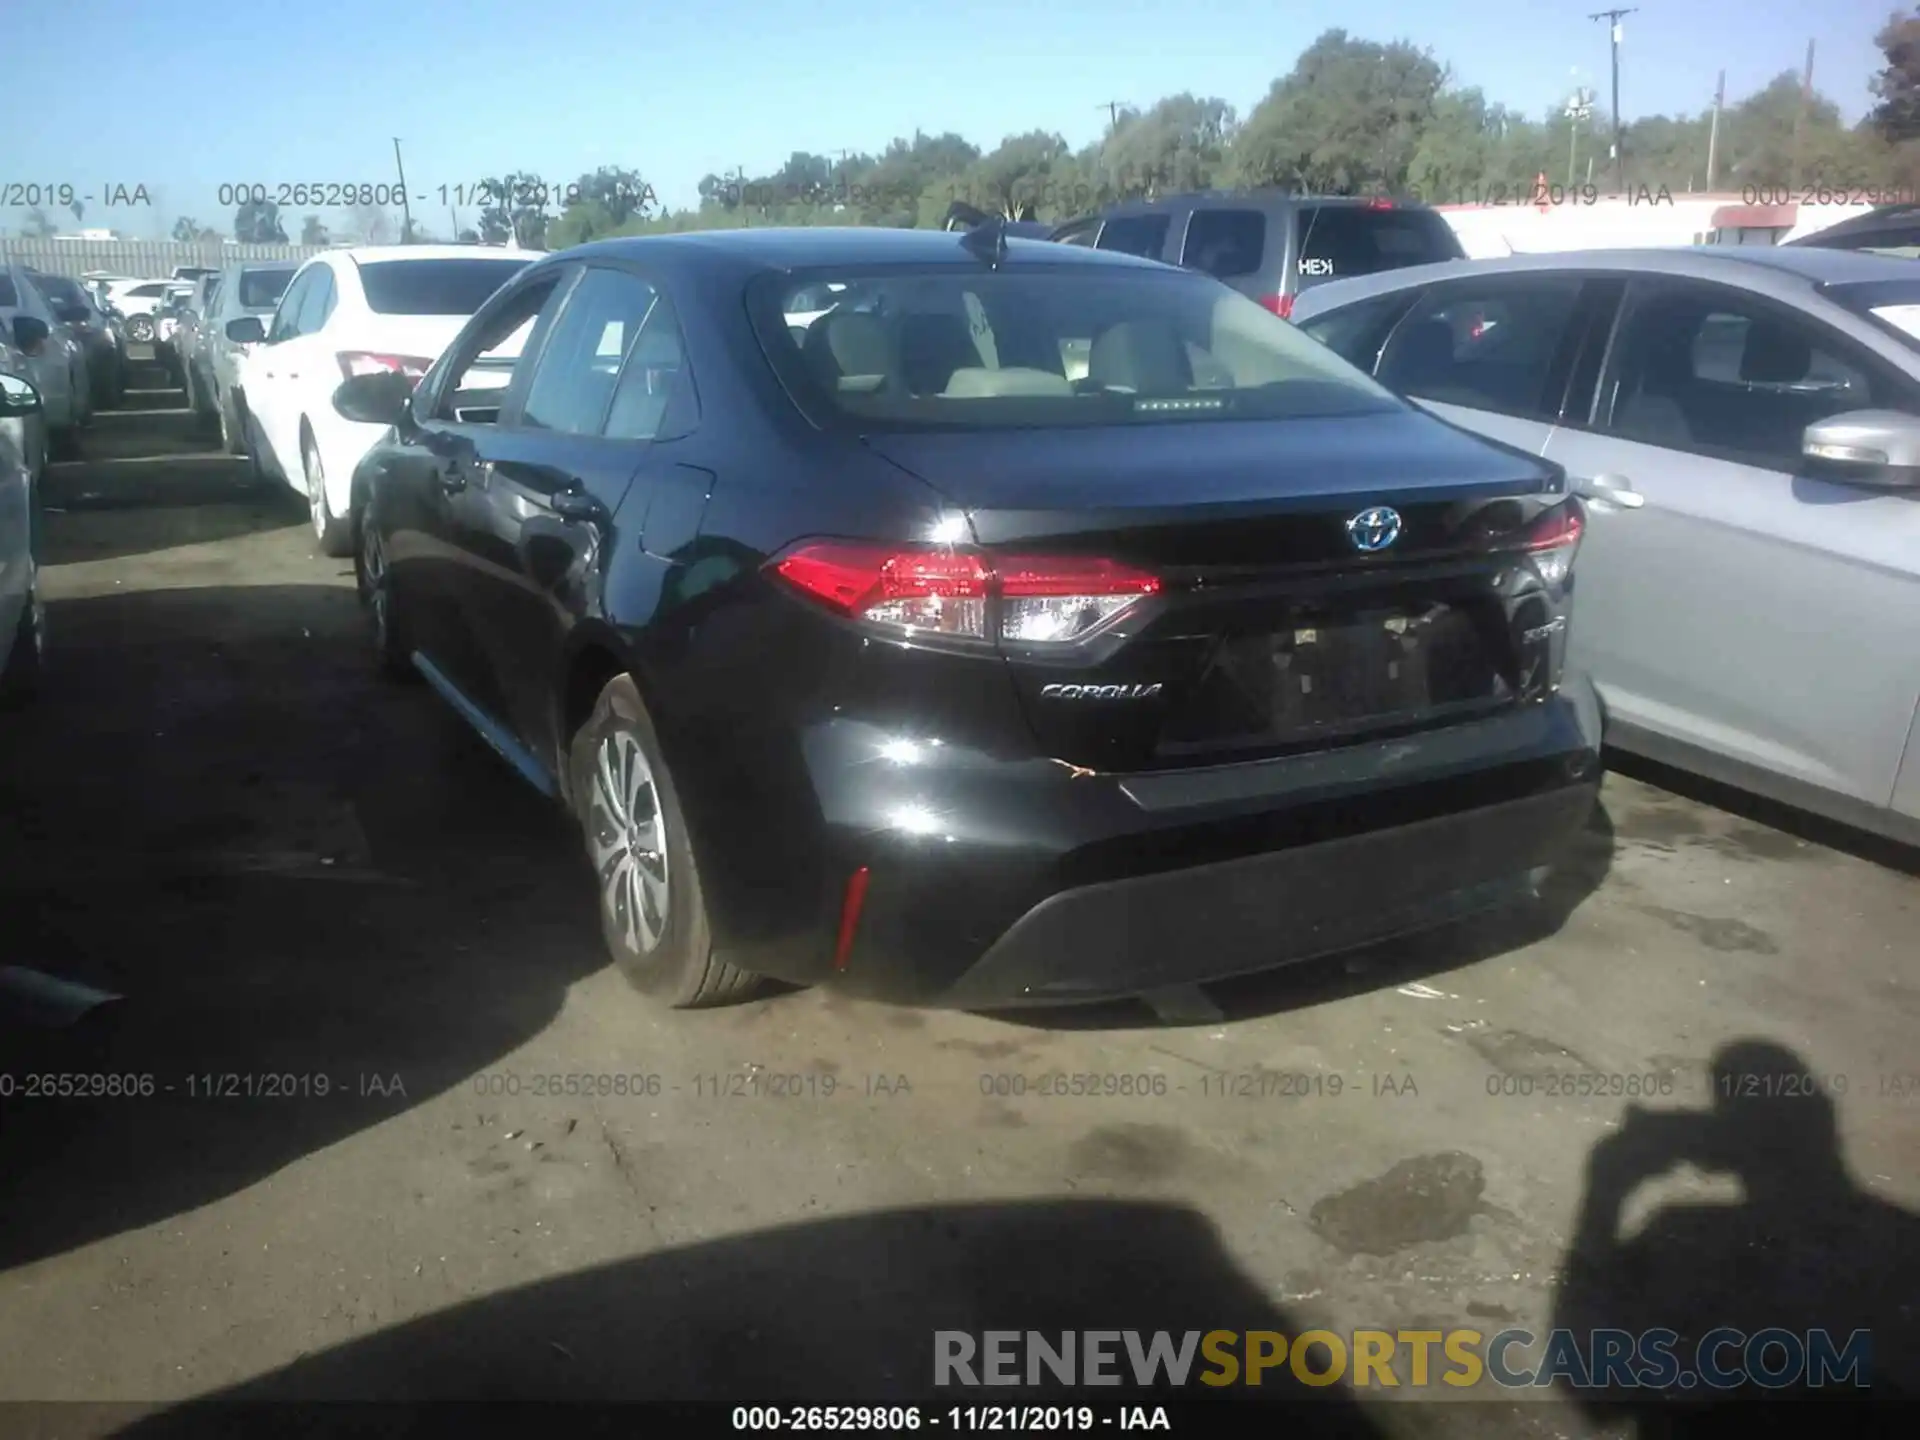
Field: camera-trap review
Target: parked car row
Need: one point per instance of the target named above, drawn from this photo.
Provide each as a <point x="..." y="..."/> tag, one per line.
<point x="54" y="342"/>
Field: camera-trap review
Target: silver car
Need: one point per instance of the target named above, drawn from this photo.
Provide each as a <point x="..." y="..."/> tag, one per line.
<point x="57" y="361"/>
<point x="1745" y="426"/>
<point x="23" y="618"/>
<point x="250" y="288"/>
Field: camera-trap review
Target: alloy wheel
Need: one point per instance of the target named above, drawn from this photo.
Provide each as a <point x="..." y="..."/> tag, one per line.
<point x="627" y="837"/>
<point x="316" y="489"/>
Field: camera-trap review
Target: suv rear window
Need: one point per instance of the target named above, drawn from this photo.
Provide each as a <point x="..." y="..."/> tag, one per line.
<point x="434" y="287"/>
<point x="978" y="349"/>
<point x="262" y="289"/>
<point x="1339" y="241"/>
<point x="1142" y="235"/>
<point x="1225" y="243"/>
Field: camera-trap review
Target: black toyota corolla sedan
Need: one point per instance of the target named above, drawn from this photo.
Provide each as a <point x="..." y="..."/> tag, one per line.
<point x="974" y="622"/>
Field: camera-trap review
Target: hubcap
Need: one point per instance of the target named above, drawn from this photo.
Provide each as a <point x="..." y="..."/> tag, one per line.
<point x="627" y="835"/>
<point x="316" y="491"/>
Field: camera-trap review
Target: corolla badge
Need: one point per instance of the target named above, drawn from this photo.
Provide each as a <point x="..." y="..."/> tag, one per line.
<point x="1374" y="529"/>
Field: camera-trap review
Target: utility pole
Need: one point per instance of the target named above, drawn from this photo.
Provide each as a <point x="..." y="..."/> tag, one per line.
<point x="1713" y="130"/>
<point x="1619" y="159"/>
<point x="1579" y="111"/>
<point x="1800" y="120"/>
<point x="406" y="210"/>
<point x="1112" y="107"/>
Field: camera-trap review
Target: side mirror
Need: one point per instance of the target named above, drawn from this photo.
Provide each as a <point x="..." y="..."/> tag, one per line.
<point x="17" y="397"/>
<point x="1866" y="447"/>
<point x="30" y="334"/>
<point x="378" y="398"/>
<point x="247" y="330"/>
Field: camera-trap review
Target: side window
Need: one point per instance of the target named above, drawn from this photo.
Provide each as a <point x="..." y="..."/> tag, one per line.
<point x="1354" y="332"/>
<point x="1489" y="345"/>
<point x="473" y="377"/>
<point x="653" y="378"/>
<point x="319" y="303"/>
<point x="286" y="318"/>
<point x="1715" y="371"/>
<point x="1081" y="232"/>
<point x="1225" y="243"/>
<point x="580" y="363"/>
<point x="1144" y="235"/>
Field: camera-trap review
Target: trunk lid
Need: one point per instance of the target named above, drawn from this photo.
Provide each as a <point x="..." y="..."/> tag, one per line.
<point x="1270" y="630"/>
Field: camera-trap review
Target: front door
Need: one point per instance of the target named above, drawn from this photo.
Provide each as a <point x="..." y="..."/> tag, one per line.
<point x="268" y="370"/>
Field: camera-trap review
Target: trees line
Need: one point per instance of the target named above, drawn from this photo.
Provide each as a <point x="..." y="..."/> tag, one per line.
<point x="1352" y="116"/>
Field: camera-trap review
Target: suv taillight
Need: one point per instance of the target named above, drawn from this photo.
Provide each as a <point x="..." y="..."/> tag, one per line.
<point x="1024" y="599"/>
<point x="1281" y="305"/>
<point x="371" y="362"/>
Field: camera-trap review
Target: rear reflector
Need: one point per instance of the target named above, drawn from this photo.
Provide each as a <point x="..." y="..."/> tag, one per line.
<point x="850" y="909"/>
<point x="372" y="362"/>
<point x="1281" y="305"/>
<point x="1037" y="599"/>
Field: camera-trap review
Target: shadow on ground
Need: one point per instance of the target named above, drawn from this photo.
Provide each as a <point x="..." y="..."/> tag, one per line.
<point x="216" y="813"/>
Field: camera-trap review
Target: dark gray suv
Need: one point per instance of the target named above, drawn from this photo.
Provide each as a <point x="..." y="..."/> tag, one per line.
<point x="1271" y="245"/>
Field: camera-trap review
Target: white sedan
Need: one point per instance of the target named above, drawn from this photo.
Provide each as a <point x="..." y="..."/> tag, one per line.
<point x="350" y="312"/>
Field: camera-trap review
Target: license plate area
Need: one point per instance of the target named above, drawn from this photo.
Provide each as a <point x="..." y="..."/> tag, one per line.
<point x="1324" y="674"/>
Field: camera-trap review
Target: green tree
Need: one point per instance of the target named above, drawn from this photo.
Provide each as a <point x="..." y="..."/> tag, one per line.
<point x="312" y="232"/>
<point x="36" y="225"/>
<point x="518" y="211"/>
<point x="1178" y="144"/>
<point x="1018" y="176"/>
<point x="257" y="222"/>
<point x="1348" y="118"/>
<point x="1897" y="117"/>
<point x="189" y="231"/>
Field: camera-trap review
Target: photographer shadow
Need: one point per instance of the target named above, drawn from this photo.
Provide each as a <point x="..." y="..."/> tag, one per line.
<point x="1806" y="1249"/>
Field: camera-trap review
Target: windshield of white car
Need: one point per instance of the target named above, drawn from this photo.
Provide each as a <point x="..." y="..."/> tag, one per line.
<point x="435" y="287"/>
<point x="1038" y="346"/>
<point x="262" y="289"/>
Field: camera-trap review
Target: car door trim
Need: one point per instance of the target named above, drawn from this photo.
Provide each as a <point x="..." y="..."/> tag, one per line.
<point x="499" y="738"/>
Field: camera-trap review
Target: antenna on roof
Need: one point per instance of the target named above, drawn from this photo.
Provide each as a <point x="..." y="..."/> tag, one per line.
<point x="988" y="241"/>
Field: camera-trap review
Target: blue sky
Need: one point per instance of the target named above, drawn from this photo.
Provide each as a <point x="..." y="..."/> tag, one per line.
<point x="273" y="92"/>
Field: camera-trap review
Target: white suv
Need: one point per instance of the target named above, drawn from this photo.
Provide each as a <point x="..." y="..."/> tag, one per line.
<point x="346" y="313"/>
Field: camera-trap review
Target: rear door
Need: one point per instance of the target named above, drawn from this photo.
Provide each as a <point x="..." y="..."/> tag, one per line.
<point x="304" y="371"/>
<point x="1228" y="244"/>
<point x="551" y="479"/>
<point x="1743" y="605"/>
<point x="1498" y="354"/>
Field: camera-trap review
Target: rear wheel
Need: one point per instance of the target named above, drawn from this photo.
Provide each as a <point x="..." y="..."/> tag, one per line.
<point x="653" y="910"/>
<point x="27" y="658"/>
<point x="386" y="616"/>
<point x="333" y="533"/>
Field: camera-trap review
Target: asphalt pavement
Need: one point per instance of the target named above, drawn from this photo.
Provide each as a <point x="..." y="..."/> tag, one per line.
<point x="380" y="1122"/>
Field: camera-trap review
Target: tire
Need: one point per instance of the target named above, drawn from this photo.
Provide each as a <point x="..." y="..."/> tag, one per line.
<point x="256" y="476"/>
<point x="27" y="659"/>
<point x="332" y="533"/>
<point x="231" y="437"/>
<point x="386" y="614"/>
<point x="140" y="329"/>
<point x="64" y="443"/>
<point x="678" y="966"/>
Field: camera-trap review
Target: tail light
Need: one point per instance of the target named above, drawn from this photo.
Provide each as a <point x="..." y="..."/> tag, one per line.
<point x="1281" y="305"/>
<point x="1554" y="538"/>
<point x="1379" y="203"/>
<point x="372" y="362"/>
<point x="1026" y="599"/>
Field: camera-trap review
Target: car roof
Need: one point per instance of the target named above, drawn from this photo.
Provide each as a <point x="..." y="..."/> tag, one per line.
<point x="1781" y="270"/>
<point x="372" y="254"/>
<point x="823" y="247"/>
<point x="1270" y="200"/>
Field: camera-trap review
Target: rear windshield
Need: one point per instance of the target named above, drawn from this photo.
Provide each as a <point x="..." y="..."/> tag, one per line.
<point x="262" y="289"/>
<point x="1040" y="346"/>
<point x="434" y="287"/>
<point x="1338" y="241"/>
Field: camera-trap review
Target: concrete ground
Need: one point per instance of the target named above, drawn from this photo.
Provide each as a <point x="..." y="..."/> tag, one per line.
<point x="309" y="880"/>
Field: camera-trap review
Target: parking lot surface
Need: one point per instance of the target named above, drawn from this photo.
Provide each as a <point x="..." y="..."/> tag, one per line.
<point x="409" y="1136"/>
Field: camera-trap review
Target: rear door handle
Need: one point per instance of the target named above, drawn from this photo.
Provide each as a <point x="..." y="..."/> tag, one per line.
<point x="577" y="504"/>
<point x="1611" y="490"/>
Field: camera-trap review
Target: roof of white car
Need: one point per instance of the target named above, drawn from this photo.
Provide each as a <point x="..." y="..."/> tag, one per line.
<point x="369" y="254"/>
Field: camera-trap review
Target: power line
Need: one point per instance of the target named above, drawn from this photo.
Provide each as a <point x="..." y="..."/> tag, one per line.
<point x="1113" y="108"/>
<point x="1619" y="158"/>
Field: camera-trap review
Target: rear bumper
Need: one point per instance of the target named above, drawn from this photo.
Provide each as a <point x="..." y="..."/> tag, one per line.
<point x="993" y="882"/>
